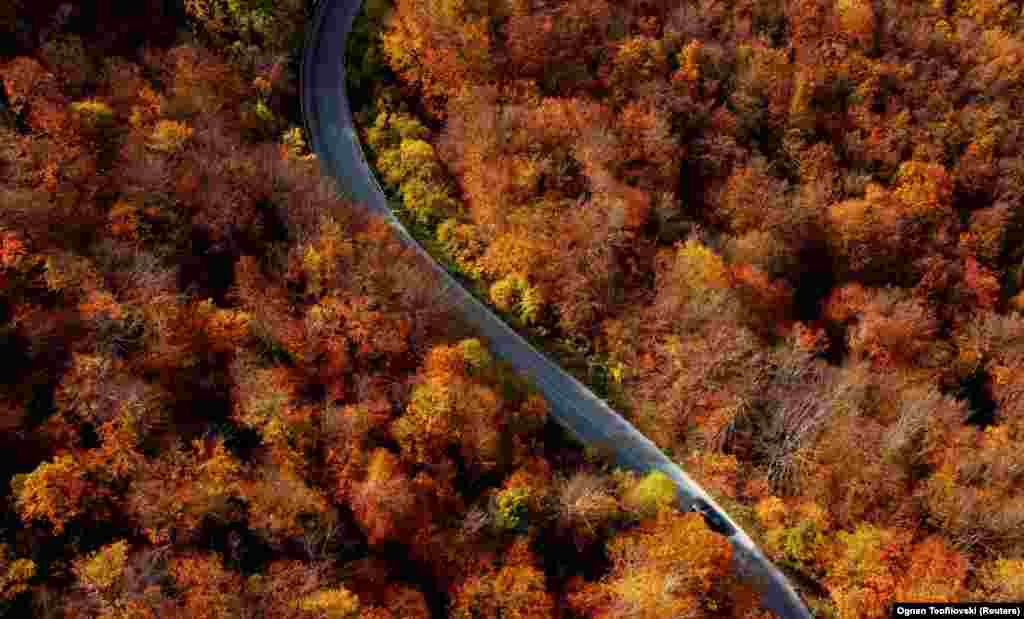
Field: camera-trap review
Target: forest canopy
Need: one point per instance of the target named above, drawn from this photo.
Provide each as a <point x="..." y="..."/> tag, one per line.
<point x="234" y="393"/>
<point x="783" y="238"/>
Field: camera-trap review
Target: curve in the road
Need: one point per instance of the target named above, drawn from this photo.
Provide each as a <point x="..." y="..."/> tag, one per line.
<point x="328" y="118"/>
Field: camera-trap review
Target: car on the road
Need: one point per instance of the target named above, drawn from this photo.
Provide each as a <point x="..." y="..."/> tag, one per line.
<point x="712" y="518"/>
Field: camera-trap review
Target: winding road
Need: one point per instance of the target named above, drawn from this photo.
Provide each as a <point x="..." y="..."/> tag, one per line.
<point x="325" y="107"/>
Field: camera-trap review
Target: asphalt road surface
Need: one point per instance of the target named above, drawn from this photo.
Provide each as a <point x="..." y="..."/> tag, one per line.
<point x="325" y="107"/>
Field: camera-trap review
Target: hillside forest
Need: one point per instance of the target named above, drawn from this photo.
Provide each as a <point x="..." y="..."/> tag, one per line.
<point x="783" y="238"/>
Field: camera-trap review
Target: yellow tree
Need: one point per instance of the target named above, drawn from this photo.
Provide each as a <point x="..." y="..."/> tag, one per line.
<point x="668" y="566"/>
<point x="795" y="534"/>
<point x="693" y="287"/>
<point x="450" y="408"/>
<point x="58" y="491"/>
<point x="863" y="576"/>
<point x="406" y="159"/>
<point x="517" y="590"/>
<point x="101" y="574"/>
<point x="651" y="494"/>
<point x="275" y="24"/>
<point x="440" y="46"/>
<point x="265" y="402"/>
<point x="14" y="574"/>
<point x="331" y="603"/>
<point x="925" y="190"/>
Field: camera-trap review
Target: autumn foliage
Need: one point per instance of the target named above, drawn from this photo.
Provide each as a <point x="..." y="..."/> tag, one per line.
<point x="783" y="239"/>
<point x="237" y="395"/>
